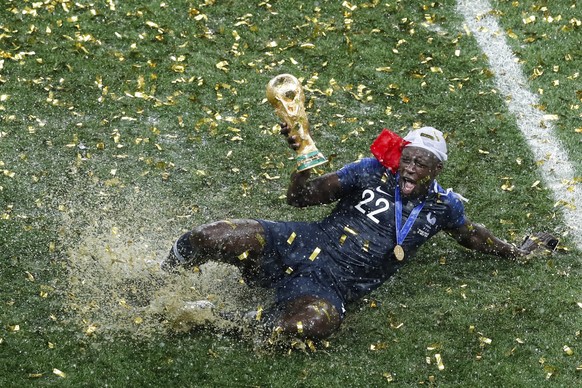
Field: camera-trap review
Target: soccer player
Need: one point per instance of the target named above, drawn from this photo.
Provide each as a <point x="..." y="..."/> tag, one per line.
<point x="385" y="211"/>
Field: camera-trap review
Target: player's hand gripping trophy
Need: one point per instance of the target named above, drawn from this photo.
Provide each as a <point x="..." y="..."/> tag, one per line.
<point x="286" y="95"/>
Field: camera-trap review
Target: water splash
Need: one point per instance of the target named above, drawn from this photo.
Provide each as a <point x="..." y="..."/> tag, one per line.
<point x="115" y="285"/>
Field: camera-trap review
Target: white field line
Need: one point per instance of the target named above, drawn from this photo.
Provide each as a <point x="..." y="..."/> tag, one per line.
<point x="557" y="171"/>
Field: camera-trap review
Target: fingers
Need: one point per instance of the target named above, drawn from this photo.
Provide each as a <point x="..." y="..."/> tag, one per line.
<point x="539" y="240"/>
<point x="547" y="240"/>
<point x="293" y="140"/>
<point x="284" y="129"/>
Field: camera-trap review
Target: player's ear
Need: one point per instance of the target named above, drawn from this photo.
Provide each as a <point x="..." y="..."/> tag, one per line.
<point x="439" y="168"/>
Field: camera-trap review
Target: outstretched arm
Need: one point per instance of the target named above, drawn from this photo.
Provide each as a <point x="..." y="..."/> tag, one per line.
<point x="477" y="237"/>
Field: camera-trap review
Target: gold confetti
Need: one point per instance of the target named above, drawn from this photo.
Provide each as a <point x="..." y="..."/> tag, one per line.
<point x="388" y="376"/>
<point x="349" y="6"/>
<point x="315" y="253"/>
<point x="59" y="373"/>
<point x="485" y="341"/>
<point x="29" y="276"/>
<point x="366" y="246"/>
<point x="350" y="231"/>
<point x="439" y="361"/>
<point x="90" y="330"/>
<point x="178" y="68"/>
<point x="568" y="350"/>
<point x="243" y="255"/>
<point x="300" y="327"/>
<point x="529" y="19"/>
<point x="291" y="238"/>
<point x="550" y="371"/>
<point x="342" y="239"/>
<point x="378" y="346"/>
<point x="311" y="345"/>
<point x="9" y="174"/>
<point x="230" y="223"/>
<point x="289" y="271"/>
<point x="507" y="186"/>
<point x="222" y="65"/>
<point x="259" y="313"/>
<point x="260" y="239"/>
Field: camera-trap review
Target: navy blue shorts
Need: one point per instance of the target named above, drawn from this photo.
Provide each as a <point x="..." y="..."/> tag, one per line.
<point x="295" y="264"/>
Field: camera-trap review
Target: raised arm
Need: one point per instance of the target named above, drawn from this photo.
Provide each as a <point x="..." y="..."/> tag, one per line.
<point x="305" y="192"/>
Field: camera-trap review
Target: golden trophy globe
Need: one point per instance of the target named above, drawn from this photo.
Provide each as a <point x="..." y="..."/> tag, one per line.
<point x="285" y="94"/>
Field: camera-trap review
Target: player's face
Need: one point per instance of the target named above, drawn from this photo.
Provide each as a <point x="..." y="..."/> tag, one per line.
<point x="418" y="168"/>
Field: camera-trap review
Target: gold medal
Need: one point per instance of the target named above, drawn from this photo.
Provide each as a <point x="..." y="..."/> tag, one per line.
<point x="403" y="230"/>
<point x="399" y="252"/>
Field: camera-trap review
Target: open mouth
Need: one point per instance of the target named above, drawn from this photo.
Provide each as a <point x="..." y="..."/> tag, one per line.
<point x="407" y="185"/>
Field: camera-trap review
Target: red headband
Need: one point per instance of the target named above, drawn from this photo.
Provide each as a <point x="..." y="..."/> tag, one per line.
<point x="387" y="148"/>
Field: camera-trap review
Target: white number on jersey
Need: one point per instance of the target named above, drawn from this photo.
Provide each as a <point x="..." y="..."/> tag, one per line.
<point x="382" y="205"/>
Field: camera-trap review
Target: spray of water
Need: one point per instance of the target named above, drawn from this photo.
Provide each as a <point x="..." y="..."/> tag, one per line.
<point x="115" y="285"/>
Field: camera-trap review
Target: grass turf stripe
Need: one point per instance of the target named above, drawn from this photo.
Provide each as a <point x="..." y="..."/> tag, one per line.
<point x="556" y="168"/>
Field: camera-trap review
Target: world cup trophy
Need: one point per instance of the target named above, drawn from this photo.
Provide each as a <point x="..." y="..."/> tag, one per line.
<point x="285" y="94"/>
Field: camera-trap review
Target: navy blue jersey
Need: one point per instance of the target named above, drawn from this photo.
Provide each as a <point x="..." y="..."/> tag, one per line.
<point x="352" y="248"/>
<point x="361" y="229"/>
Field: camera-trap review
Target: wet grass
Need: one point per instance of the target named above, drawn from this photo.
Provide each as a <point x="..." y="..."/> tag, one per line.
<point x="101" y="102"/>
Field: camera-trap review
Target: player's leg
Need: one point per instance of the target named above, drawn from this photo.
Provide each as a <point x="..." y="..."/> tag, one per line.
<point x="310" y="317"/>
<point x="237" y="242"/>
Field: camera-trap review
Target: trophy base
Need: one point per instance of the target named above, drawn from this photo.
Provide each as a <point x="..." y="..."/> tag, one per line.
<point x="310" y="160"/>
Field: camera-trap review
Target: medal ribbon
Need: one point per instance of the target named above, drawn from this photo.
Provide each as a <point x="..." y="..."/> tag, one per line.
<point x="402" y="232"/>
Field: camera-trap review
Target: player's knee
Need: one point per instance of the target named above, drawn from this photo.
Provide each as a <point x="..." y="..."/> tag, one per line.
<point x="325" y="319"/>
<point x="324" y="311"/>
<point x="312" y="318"/>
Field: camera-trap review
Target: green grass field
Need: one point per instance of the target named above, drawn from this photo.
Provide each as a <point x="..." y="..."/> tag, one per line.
<point x="125" y="123"/>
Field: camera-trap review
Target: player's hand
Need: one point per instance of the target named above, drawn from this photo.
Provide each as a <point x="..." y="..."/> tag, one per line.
<point x="538" y="241"/>
<point x="293" y="140"/>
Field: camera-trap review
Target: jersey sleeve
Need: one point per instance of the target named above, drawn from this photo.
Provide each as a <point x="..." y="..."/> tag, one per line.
<point x="355" y="175"/>
<point x="456" y="217"/>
